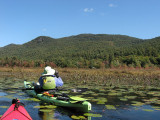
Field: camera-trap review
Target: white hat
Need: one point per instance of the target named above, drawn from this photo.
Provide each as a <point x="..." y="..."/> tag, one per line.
<point x="48" y="71"/>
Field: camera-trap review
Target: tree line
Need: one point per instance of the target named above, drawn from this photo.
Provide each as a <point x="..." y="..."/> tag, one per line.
<point x="84" y="51"/>
<point x="110" y="62"/>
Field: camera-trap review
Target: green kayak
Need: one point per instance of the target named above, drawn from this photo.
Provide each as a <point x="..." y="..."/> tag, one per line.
<point x="76" y="103"/>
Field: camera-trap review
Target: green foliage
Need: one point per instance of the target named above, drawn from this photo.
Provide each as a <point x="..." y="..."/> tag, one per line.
<point x="83" y="51"/>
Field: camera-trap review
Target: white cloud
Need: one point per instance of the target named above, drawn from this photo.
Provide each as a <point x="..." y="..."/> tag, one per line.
<point x="88" y="10"/>
<point x="112" y="5"/>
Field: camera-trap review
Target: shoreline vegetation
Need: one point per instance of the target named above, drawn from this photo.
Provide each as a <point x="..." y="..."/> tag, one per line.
<point x="91" y="77"/>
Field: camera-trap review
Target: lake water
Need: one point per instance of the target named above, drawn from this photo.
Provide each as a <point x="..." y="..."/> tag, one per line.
<point x="108" y="103"/>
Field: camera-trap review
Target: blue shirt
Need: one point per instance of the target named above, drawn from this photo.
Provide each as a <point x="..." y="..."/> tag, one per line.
<point x="58" y="81"/>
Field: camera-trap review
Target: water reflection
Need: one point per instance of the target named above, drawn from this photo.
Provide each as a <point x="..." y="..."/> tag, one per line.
<point x="59" y="113"/>
<point x="46" y="115"/>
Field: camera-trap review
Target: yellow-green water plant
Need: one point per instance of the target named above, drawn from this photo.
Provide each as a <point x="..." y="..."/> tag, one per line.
<point x="89" y="98"/>
<point x="151" y="100"/>
<point x="102" y="100"/>
<point x="21" y="94"/>
<point x="88" y="92"/>
<point x="95" y="94"/>
<point x="95" y="100"/>
<point x="141" y="93"/>
<point x="12" y="92"/>
<point x="148" y="110"/>
<point x="78" y="117"/>
<point x="102" y="94"/>
<point x="33" y="99"/>
<point x="51" y="106"/>
<point x="115" y="93"/>
<point x="156" y="107"/>
<point x="80" y="96"/>
<point x="123" y="99"/>
<point x="102" y="90"/>
<point x="45" y="110"/>
<point x="92" y="115"/>
<point x="46" y="106"/>
<point x="154" y="93"/>
<point x="136" y="103"/>
<point x="121" y="90"/>
<point x="110" y="107"/>
<point x="4" y="106"/>
<point x="130" y="97"/>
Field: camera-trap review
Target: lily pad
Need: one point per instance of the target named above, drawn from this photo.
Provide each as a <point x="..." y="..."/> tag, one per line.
<point x="78" y="117"/>
<point x="137" y="103"/>
<point x="89" y="98"/>
<point x="13" y="92"/>
<point x="4" y="106"/>
<point x="45" y="110"/>
<point x="102" y="93"/>
<point x="114" y="94"/>
<point x="32" y="99"/>
<point x="75" y="117"/>
<point x="51" y="106"/>
<point x="95" y="100"/>
<point x="39" y="107"/>
<point x="95" y="94"/>
<point x="110" y="107"/>
<point x="148" y="110"/>
<point x="92" y="115"/>
<point x="123" y="99"/>
<point x="156" y="107"/>
<point x="21" y="94"/>
<point x="130" y="97"/>
<point x="101" y="100"/>
<point x="152" y="100"/>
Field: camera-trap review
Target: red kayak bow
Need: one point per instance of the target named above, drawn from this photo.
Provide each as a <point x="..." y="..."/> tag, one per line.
<point x="16" y="112"/>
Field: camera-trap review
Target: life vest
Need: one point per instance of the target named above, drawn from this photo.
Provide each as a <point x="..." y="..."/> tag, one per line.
<point x="49" y="82"/>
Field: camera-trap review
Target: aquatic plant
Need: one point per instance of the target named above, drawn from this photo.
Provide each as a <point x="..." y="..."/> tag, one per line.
<point x="110" y="107"/>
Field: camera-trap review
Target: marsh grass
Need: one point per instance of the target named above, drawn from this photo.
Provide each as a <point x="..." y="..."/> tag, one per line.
<point x="91" y="77"/>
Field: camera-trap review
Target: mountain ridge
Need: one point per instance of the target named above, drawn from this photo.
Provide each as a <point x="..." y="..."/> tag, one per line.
<point x="82" y="47"/>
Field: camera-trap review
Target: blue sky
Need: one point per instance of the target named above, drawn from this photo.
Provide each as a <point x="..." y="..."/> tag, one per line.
<point x="23" y="20"/>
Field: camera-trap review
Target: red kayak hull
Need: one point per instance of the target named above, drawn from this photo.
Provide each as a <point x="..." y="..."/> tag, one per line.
<point x="16" y="114"/>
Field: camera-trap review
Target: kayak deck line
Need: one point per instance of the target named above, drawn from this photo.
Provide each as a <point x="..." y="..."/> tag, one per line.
<point x="78" y="104"/>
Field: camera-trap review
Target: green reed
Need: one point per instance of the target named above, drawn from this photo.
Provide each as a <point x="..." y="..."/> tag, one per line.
<point x="125" y="76"/>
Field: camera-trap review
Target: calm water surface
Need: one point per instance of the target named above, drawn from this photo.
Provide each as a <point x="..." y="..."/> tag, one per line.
<point x="108" y="103"/>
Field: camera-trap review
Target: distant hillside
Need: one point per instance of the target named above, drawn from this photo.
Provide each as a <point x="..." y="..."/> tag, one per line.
<point x="42" y="47"/>
<point x="82" y="47"/>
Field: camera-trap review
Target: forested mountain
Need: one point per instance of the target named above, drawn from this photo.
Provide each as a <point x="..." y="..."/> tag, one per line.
<point x="84" y="50"/>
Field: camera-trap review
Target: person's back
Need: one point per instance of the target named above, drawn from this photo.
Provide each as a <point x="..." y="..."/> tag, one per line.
<point x="47" y="82"/>
<point x="50" y="79"/>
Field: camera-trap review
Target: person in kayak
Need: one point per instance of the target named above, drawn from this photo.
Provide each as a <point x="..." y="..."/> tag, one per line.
<point x="49" y="80"/>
